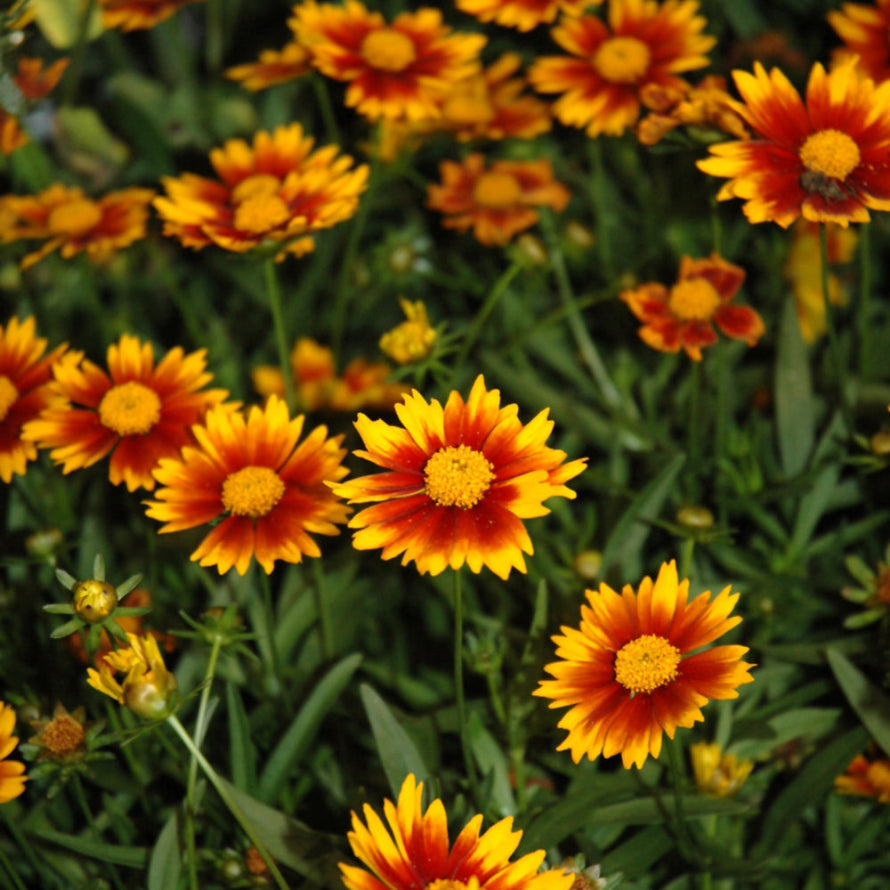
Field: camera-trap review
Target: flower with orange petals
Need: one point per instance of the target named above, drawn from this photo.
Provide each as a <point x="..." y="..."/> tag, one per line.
<point x="415" y="852"/>
<point x="396" y="70"/>
<point x="627" y="674"/>
<point x="138" y="412"/>
<point x="866" y="776"/>
<point x="498" y="201"/>
<point x="803" y="269"/>
<point x="265" y="491"/>
<point x="12" y="777"/>
<point x="133" y="15"/>
<point x="864" y="31"/>
<point x="458" y="483"/>
<point x="522" y="14"/>
<point x="277" y="191"/>
<point x="707" y="107"/>
<point x="70" y="222"/>
<point x="25" y="391"/>
<point x="827" y="159"/>
<point x="644" y="44"/>
<point x="273" y="67"/>
<point x="33" y="82"/>
<point x="683" y="315"/>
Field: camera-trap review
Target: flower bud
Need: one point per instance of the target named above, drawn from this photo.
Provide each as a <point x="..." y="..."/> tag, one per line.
<point x="94" y="600"/>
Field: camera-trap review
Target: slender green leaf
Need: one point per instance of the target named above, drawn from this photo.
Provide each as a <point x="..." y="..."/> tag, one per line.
<point x="795" y="407"/>
<point x="165" y="864"/>
<point x="302" y="731"/>
<point x="131" y="857"/>
<point x="242" y="751"/>
<point x="493" y="763"/>
<point x="872" y="706"/>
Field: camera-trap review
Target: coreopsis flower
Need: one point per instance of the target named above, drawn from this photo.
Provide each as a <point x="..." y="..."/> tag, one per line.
<point x="62" y="738"/>
<point x="866" y="776"/>
<point x="627" y="673"/>
<point x="522" y="14"/>
<point x="394" y="71"/>
<point x="803" y="269"/>
<point x="363" y="384"/>
<point x="601" y="81"/>
<point x="133" y="15"/>
<point x="864" y="31"/>
<point x="413" y="339"/>
<point x="684" y="316"/>
<point x="12" y="773"/>
<point x="266" y="493"/>
<point x="872" y="592"/>
<point x="137" y="412"/>
<point x="278" y="190"/>
<point x="495" y="201"/>
<point x="412" y="850"/>
<point x="33" y="82"/>
<point x="25" y="391"/>
<point x="826" y="159"/>
<point x="458" y="482"/>
<point x="65" y="219"/>
<point x="148" y="689"/>
<point x="718" y="774"/>
<point x="707" y="107"/>
<point x="273" y="67"/>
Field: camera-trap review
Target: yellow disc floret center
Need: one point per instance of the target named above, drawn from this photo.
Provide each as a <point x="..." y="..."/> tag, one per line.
<point x="130" y="409"/>
<point x="388" y="50"/>
<point x="694" y="299"/>
<point x="622" y="59"/>
<point x="258" y="204"/>
<point x="496" y="190"/>
<point x="646" y="663"/>
<point x="458" y="476"/>
<point x="252" y="491"/>
<point x="74" y="218"/>
<point x="8" y="395"/>
<point x="831" y="153"/>
<point x="63" y="735"/>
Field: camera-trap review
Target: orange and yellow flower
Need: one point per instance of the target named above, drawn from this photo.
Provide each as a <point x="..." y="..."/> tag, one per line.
<point x="273" y="67"/>
<point x="394" y="71"/>
<point x="522" y="14"/>
<point x="265" y="492"/>
<point x="12" y="773"/>
<point x="412" y="850"/>
<point x="864" y="31"/>
<point x="413" y="339"/>
<point x="363" y="384"/>
<point x="496" y="201"/>
<point x="458" y="483"/>
<point x="866" y="776"/>
<point x="644" y="44"/>
<point x="276" y="191"/>
<point x="137" y="412"/>
<point x="627" y="673"/>
<point x="803" y="269"/>
<point x="684" y="316"/>
<point x="72" y="223"/>
<point x="25" y="390"/>
<point x="133" y="15"/>
<point x="34" y="82"/>
<point x="718" y="774"/>
<point x="826" y="159"/>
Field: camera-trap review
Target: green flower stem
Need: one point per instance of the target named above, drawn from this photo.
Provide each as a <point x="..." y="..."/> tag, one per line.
<point x="686" y="557"/>
<point x="833" y="343"/>
<point x="321" y="609"/>
<point x="693" y="439"/>
<point x="864" y="306"/>
<point x="459" y="679"/>
<point x="323" y="97"/>
<point x="215" y="36"/>
<point x="273" y="292"/>
<point x="494" y="295"/>
<point x="589" y="353"/>
<point x="229" y="801"/>
<point x="191" y="804"/>
<point x="675" y="765"/>
<point x="262" y="616"/>
<point x="599" y="200"/>
<point x="78" y="53"/>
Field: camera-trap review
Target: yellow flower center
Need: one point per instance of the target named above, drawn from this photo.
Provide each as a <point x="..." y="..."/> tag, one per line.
<point x="695" y="299"/>
<point x="458" y="476"/>
<point x="646" y="663"/>
<point x="8" y="395"/>
<point x="74" y="218"/>
<point x="258" y="206"/>
<point x="130" y="409"/>
<point x="496" y="191"/>
<point x="388" y="50"/>
<point x="622" y="59"/>
<point x="252" y="491"/>
<point x="62" y="736"/>
<point x="831" y="153"/>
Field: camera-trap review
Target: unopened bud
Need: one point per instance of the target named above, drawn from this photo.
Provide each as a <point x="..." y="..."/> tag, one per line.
<point x="94" y="600"/>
